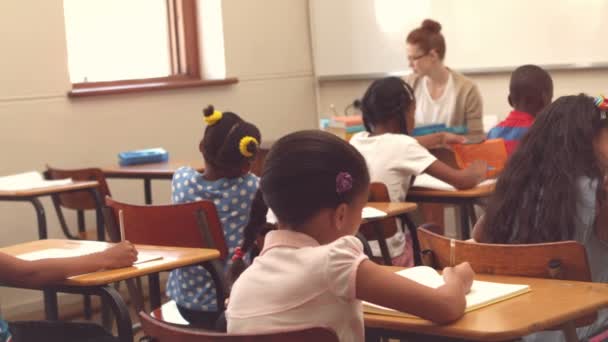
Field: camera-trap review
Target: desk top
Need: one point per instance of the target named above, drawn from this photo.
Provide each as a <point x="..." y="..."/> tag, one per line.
<point x="549" y="303"/>
<point x="153" y="170"/>
<point x="476" y="192"/>
<point x="49" y="190"/>
<point x="392" y="208"/>
<point x="172" y="257"/>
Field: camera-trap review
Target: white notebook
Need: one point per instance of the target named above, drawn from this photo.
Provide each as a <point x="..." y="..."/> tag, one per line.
<point x="430" y="182"/>
<point x="74" y="252"/>
<point x="482" y="293"/>
<point x="29" y="180"/>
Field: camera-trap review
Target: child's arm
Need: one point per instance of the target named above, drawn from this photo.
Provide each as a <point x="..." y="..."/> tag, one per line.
<point x="460" y="179"/>
<point x="47" y="271"/>
<point x="444" y="304"/>
<point x="439" y="140"/>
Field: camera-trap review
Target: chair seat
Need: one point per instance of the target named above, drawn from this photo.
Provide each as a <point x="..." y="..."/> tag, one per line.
<point x="168" y="313"/>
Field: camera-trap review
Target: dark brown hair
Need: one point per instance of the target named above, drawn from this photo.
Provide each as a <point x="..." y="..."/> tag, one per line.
<point x="300" y="174"/>
<point x="384" y="100"/>
<point x="428" y="37"/>
<point x="220" y="145"/>
<point x="536" y="195"/>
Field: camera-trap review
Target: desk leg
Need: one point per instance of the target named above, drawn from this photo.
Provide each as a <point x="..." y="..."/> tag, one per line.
<point x="42" y="233"/>
<point x="148" y="190"/>
<point x="386" y="256"/>
<point x="465" y="229"/>
<point x="154" y="289"/>
<point x="50" y="305"/>
<point x="123" y="320"/>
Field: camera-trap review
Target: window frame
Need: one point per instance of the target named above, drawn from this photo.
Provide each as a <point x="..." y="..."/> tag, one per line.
<point x="184" y="59"/>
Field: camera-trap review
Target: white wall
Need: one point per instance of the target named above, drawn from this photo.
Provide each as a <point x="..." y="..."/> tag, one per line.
<point x="267" y="48"/>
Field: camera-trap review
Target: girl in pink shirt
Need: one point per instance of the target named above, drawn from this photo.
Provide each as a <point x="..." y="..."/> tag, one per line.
<point x="312" y="271"/>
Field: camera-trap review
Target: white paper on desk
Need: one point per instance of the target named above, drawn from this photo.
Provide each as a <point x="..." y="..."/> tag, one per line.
<point x="482" y="293"/>
<point x="430" y="182"/>
<point x="370" y="213"/>
<point x="75" y="252"/>
<point x="29" y="180"/>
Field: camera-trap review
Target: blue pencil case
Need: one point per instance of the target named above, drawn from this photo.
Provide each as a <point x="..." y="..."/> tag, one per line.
<point x="150" y="155"/>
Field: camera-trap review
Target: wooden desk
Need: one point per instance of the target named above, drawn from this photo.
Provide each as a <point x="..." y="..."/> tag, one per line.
<point x="98" y="283"/>
<point x="550" y="305"/>
<point x="32" y="196"/>
<point x="463" y="198"/>
<point x="148" y="172"/>
<point x="392" y="209"/>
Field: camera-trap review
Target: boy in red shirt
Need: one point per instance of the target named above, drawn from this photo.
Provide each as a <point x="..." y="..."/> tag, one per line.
<point x="530" y="91"/>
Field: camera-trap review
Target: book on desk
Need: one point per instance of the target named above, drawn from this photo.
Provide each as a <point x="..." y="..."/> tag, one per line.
<point x="482" y="293"/>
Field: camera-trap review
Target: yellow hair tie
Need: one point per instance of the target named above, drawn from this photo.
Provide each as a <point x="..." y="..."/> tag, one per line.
<point x="213" y="118"/>
<point x="245" y="141"/>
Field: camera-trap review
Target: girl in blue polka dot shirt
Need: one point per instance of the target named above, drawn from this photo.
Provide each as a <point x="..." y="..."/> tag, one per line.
<point x="229" y="146"/>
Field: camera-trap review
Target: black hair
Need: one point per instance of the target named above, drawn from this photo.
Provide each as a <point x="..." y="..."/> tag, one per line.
<point x="220" y="145"/>
<point x="386" y="99"/>
<point x="530" y="88"/>
<point x="300" y="174"/>
<point x="535" y="197"/>
<point x="256" y="226"/>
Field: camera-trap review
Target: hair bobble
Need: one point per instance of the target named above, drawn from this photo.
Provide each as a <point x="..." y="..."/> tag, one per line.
<point x="248" y="146"/>
<point x="212" y="116"/>
<point x="238" y="254"/>
<point x="344" y="182"/>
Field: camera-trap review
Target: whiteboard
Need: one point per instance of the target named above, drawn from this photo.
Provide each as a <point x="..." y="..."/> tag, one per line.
<point x="367" y="37"/>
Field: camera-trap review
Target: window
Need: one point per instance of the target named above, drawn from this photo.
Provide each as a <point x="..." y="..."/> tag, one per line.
<point x="117" y="46"/>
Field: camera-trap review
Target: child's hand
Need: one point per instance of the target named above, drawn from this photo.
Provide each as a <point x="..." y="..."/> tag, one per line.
<point x="450" y="138"/>
<point x="478" y="169"/>
<point x="122" y="254"/>
<point x="462" y="273"/>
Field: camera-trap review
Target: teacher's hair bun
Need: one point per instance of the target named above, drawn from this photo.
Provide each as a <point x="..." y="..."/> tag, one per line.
<point x="431" y="25"/>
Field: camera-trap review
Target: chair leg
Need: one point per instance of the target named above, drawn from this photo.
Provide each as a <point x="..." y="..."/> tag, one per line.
<point x="569" y="331"/>
<point x="87" y="307"/>
<point x="414" y="235"/>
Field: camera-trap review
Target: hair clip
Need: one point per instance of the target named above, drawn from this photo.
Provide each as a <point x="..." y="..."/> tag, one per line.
<point x="344" y="182"/>
<point x="602" y="103"/>
<point x="238" y="254"/>
<point x="245" y="143"/>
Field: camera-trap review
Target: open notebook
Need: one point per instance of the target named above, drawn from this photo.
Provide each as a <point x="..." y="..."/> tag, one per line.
<point x="482" y="293"/>
<point x="80" y="251"/>
<point x="430" y="182"/>
<point x="28" y="181"/>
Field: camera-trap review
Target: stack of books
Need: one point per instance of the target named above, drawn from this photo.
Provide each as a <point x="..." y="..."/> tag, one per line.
<point x="345" y="126"/>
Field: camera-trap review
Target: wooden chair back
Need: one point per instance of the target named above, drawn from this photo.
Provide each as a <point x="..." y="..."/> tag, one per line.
<point x="159" y="331"/>
<point x="80" y="200"/>
<point x="383" y="229"/>
<point x="194" y="224"/>
<point x="565" y="260"/>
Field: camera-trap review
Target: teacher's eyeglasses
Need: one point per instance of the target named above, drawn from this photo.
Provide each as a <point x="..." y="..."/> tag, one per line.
<point x="415" y="58"/>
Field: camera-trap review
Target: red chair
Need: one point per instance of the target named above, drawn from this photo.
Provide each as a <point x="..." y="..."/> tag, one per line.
<point x="159" y="331"/>
<point x="194" y="225"/>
